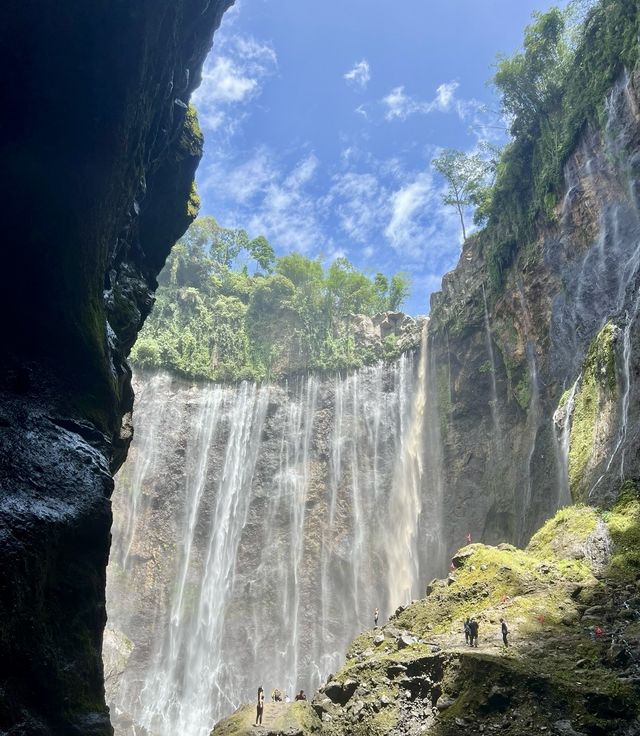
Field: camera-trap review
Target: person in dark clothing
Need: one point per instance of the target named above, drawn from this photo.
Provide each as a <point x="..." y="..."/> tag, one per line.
<point x="260" y="706"/>
<point x="301" y="695"/>
<point x="505" y="631"/>
<point x="467" y="630"/>
<point x="474" y="627"/>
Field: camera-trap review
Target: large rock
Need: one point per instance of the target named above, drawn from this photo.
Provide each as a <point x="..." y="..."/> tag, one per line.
<point x="98" y="158"/>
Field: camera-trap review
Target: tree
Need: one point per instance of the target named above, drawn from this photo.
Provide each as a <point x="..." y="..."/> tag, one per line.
<point x="465" y="174"/>
<point x="262" y="253"/>
<point x="398" y="291"/>
<point x="531" y="82"/>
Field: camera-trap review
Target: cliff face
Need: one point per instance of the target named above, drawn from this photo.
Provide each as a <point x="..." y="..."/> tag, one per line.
<point x="99" y="153"/>
<point x="535" y="377"/>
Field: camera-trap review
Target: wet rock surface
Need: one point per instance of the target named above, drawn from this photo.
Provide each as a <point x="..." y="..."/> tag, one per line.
<point x="507" y="357"/>
<point x="99" y="156"/>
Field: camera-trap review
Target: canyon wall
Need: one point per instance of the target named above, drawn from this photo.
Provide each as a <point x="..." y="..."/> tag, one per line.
<point x="537" y="389"/>
<point x="99" y="151"/>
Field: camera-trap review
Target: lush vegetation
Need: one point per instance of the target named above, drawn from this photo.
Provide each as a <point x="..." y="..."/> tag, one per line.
<point x="229" y="309"/>
<point x="550" y="91"/>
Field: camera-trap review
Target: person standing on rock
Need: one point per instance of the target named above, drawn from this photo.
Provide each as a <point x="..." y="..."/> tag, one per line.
<point x="467" y="630"/>
<point x="505" y="631"/>
<point x="260" y="706"/>
<point x="474" y="627"/>
<point x="375" y="617"/>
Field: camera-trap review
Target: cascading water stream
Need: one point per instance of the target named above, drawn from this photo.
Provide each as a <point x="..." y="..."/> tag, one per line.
<point x="286" y="514"/>
<point x="562" y="427"/>
<point x="405" y="502"/>
<point x="495" y="416"/>
<point x="533" y="413"/>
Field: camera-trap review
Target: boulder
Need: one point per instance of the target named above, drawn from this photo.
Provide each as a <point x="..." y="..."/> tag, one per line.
<point x="406" y="641"/>
<point x="444" y="702"/>
<point x="333" y="690"/>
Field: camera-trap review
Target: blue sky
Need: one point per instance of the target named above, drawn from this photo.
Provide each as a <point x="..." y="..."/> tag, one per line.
<point x="321" y="120"/>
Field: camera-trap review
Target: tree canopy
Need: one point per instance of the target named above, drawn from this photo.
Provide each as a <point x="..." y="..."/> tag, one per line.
<point x="227" y="308"/>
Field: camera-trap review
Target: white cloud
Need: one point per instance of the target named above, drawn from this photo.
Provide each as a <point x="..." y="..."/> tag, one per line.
<point x="399" y="105"/>
<point x="407" y="204"/>
<point x="265" y="197"/>
<point x="226" y="83"/>
<point x="444" y="96"/>
<point x="360" y="202"/>
<point x="248" y="179"/>
<point x="360" y="75"/>
<point x="233" y="75"/>
<point x="420" y="227"/>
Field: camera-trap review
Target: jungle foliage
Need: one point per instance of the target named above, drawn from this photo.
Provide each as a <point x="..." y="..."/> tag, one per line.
<point x="550" y="91"/>
<point x="228" y="309"/>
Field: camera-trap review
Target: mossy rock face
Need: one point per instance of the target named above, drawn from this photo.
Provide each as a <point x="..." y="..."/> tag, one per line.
<point x="593" y="408"/>
<point x="417" y="671"/>
<point x="278" y="719"/>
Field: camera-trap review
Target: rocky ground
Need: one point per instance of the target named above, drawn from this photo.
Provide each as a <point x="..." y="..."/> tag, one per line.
<point x="572" y="603"/>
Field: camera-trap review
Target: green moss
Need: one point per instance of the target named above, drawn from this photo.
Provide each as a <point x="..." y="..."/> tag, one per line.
<point x="570" y="527"/>
<point x="597" y="384"/>
<point x="296" y="717"/>
<point x="193" y="203"/>
<point x="383" y="722"/>
<point x="564" y="398"/>
<point x="522" y="392"/>
<point x="444" y="398"/>
<point x="624" y="526"/>
<point x="541" y="591"/>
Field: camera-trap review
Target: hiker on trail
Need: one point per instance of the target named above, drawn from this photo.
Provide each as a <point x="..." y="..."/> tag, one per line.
<point x="467" y="630"/>
<point x="375" y="617"/>
<point x="260" y="706"/>
<point x="505" y="631"/>
<point x="276" y="696"/>
<point x="301" y="695"/>
<point x="474" y="627"/>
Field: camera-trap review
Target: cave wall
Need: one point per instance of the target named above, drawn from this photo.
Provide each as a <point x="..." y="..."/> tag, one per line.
<point x="536" y="378"/>
<point x="99" y="151"/>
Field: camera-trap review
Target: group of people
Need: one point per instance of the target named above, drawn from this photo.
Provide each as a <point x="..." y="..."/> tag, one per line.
<point x="276" y="697"/>
<point x="471" y="628"/>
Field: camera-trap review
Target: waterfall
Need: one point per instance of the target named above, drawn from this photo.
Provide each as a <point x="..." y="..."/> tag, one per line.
<point x="274" y="519"/>
<point x="405" y="500"/>
<point x="562" y="428"/>
<point x="533" y="415"/>
<point x="494" y="390"/>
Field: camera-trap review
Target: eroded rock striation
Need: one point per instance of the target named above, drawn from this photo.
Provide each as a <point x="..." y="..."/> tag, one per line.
<point x="99" y="150"/>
